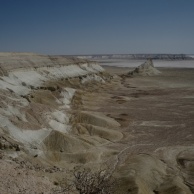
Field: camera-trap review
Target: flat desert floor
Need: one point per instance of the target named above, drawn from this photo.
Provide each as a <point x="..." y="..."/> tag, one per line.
<point x="154" y="111"/>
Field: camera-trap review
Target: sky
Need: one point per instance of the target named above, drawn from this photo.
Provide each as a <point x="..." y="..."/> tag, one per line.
<point x="75" y="27"/>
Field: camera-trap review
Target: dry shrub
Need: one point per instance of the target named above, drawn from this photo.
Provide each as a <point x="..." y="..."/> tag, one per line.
<point x="88" y="182"/>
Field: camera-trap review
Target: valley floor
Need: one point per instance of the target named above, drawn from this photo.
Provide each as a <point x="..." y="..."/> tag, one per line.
<point x="155" y="114"/>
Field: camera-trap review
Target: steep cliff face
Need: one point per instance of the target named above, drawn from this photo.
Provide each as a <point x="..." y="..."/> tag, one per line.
<point x="36" y="94"/>
<point x="21" y="73"/>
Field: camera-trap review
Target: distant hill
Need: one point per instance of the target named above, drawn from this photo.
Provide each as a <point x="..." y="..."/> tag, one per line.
<point x="139" y="56"/>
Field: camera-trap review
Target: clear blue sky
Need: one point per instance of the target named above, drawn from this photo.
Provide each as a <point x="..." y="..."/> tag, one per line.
<point x="97" y="26"/>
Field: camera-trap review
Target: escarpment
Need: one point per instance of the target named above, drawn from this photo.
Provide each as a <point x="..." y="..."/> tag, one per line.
<point x="36" y="95"/>
<point x="57" y="113"/>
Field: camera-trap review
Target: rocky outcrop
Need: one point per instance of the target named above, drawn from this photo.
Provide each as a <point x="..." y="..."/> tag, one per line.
<point x="145" y="69"/>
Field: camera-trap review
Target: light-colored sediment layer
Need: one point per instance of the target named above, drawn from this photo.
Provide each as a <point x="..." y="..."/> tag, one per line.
<point x="30" y="120"/>
<point x="30" y="74"/>
<point x="145" y="69"/>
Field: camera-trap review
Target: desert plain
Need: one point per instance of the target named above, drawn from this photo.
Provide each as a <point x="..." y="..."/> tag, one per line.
<point x="138" y="127"/>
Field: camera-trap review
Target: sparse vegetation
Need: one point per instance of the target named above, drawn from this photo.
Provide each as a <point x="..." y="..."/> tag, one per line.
<point x="88" y="182"/>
